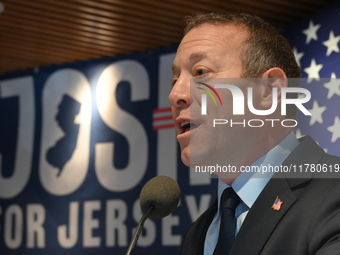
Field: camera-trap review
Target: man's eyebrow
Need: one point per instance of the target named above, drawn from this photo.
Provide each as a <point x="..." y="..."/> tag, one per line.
<point x="194" y="57"/>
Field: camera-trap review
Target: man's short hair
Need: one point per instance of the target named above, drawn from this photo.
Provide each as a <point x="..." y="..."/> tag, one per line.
<point x="265" y="47"/>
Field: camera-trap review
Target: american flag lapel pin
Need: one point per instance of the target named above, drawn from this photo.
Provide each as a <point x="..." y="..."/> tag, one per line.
<point x="277" y="204"/>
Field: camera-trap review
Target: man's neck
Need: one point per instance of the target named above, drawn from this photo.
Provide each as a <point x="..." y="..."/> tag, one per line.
<point x="272" y="140"/>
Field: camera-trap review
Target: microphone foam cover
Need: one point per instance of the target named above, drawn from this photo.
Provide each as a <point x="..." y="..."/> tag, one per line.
<point x="163" y="193"/>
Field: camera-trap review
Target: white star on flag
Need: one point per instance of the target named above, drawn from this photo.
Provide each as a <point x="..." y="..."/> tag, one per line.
<point x="335" y="129"/>
<point x="316" y="113"/>
<point x="316" y="46"/>
<point x="333" y="86"/>
<point x="313" y="71"/>
<point x="298" y="55"/>
<point x="311" y="31"/>
<point x="332" y="43"/>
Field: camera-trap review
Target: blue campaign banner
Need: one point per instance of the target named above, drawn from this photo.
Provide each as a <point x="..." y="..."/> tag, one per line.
<point x="78" y="142"/>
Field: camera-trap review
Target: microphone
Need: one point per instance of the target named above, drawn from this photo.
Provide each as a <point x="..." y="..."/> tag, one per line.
<point x="159" y="197"/>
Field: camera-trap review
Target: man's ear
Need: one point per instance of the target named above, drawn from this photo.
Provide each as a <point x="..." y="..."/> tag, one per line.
<point x="273" y="78"/>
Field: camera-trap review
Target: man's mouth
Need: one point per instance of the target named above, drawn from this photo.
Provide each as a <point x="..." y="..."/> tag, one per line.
<point x="186" y="126"/>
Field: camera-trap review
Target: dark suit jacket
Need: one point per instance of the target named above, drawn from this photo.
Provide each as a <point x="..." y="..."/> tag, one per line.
<point x="307" y="223"/>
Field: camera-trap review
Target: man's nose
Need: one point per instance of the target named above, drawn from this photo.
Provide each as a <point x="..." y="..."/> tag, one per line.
<point x="180" y="94"/>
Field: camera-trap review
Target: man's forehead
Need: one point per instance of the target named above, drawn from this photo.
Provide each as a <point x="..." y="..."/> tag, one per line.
<point x="207" y="34"/>
<point x="193" y="57"/>
<point x="226" y="35"/>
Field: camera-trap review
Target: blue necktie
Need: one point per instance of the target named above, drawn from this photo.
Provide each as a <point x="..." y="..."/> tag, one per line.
<point x="229" y="202"/>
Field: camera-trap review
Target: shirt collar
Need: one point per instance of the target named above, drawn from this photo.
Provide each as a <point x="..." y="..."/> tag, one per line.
<point x="248" y="186"/>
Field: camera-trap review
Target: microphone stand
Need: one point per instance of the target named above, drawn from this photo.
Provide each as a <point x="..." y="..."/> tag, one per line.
<point x="139" y="229"/>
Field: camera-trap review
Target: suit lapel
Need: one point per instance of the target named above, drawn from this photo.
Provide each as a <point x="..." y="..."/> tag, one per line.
<point x="202" y="228"/>
<point x="262" y="219"/>
<point x="195" y="237"/>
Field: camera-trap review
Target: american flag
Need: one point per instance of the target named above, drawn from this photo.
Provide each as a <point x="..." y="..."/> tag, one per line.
<point x="277" y="204"/>
<point x="315" y="43"/>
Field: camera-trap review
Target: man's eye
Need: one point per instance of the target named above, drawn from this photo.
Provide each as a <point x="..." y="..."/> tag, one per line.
<point x="173" y="82"/>
<point x="201" y="72"/>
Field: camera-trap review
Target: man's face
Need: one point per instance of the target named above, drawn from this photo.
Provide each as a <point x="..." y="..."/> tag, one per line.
<point x="208" y="51"/>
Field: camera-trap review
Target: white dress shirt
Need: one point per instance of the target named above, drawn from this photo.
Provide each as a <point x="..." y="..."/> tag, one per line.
<point x="248" y="187"/>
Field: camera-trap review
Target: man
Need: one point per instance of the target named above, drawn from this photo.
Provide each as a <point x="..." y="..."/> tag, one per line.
<point x="277" y="214"/>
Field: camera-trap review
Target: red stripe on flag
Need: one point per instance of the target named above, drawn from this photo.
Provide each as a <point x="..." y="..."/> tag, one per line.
<point x="162" y="110"/>
<point x="164" y="126"/>
<point x="162" y="118"/>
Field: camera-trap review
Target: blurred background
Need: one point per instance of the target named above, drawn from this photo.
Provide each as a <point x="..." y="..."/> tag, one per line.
<point x="42" y="32"/>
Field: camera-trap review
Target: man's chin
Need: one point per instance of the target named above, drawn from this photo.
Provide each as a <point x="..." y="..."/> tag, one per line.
<point x="185" y="158"/>
<point x="198" y="159"/>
